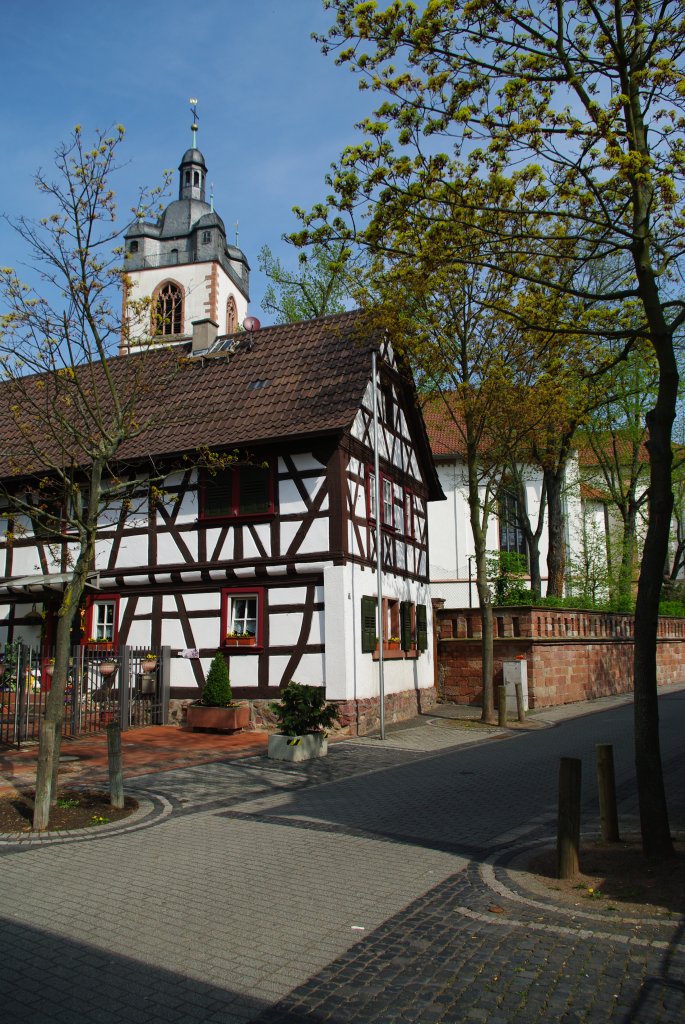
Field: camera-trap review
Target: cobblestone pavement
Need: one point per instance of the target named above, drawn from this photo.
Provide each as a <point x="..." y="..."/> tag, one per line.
<point x="382" y="884"/>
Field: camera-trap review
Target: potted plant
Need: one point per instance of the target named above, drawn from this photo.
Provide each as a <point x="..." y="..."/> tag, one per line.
<point x="215" y="710"/>
<point x="149" y="662"/>
<point x="393" y="643"/>
<point x="303" y="717"/>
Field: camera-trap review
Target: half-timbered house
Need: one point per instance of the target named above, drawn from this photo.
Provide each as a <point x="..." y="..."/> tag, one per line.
<point x="270" y="559"/>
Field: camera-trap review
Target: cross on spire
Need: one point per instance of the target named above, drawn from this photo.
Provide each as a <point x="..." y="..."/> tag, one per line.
<point x="194" y="126"/>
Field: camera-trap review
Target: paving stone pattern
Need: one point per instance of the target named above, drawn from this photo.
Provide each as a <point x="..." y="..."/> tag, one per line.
<point x="374" y="886"/>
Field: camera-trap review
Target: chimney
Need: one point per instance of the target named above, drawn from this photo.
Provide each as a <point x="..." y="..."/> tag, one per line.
<point x="204" y="335"/>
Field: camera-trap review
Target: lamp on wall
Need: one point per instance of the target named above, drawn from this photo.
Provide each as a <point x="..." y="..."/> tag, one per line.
<point x="34" y="616"/>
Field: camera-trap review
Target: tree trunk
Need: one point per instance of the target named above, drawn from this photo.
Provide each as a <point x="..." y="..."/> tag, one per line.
<point x="48" y="760"/>
<point x="628" y="558"/>
<point x="556" y="555"/>
<point x="478" y="515"/>
<point x="487" y="648"/>
<point x="534" y="564"/>
<point x="48" y="757"/>
<point x="656" y="833"/>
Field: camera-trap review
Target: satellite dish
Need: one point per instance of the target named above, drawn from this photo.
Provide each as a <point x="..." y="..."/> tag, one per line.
<point x="251" y="323"/>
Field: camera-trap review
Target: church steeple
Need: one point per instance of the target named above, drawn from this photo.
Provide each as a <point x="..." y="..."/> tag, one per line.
<point x="192" y="169"/>
<point x="192" y="174"/>
<point x="185" y="264"/>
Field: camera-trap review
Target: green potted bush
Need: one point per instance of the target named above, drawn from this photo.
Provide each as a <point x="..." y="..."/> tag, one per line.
<point x="215" y="709"/>
<point x="303" y="716"/>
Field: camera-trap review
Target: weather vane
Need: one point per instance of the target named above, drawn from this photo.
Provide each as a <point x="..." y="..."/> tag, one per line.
<point x="194" y="125"/>
<point x="236" y="233"/>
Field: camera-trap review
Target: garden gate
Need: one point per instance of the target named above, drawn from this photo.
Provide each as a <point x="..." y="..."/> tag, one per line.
<point x="129" y="685"/>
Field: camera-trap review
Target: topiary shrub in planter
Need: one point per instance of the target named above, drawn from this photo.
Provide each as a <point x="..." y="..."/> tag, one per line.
<point x="303" y="716"/>
<point x="215" y="710"/>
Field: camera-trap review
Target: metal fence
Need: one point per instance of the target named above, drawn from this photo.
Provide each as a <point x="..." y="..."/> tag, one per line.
<point x="104" y="685"/>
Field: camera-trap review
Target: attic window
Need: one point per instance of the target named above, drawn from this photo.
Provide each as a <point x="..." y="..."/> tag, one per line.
<point x="206" y="237"/>
<point x="255" y="385"/>
<point x="133" y="246"/>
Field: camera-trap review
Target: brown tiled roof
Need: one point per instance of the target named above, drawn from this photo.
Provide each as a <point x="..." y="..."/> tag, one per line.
<point x="590" y="492"/>
<point x="443" y="430"/>
<point x="314" y="377"/>
<point x="625" y="448"/>
<point x="285" y="382"/>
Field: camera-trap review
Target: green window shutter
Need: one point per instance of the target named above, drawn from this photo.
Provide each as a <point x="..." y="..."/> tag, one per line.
<point x="421" y="627"/>
<point x="217" y="496"/>
<point x="405" y="625"/>
<point x="254" y="490"/>
<point x="368" y="625"/>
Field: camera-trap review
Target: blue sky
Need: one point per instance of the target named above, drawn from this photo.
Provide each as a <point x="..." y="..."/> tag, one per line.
<point x="274" y="112"/>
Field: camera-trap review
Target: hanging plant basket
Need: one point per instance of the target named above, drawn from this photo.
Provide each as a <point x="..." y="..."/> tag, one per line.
<point x="149" y="664"/>
<point x="107" y="668"/>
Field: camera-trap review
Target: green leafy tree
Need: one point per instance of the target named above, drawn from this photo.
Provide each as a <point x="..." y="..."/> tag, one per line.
<point x="574" y="113"/>
<point x="68" y="409"/>
<point x="319" y="288"/>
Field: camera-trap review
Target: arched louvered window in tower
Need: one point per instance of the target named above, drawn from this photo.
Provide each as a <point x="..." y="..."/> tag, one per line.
<point x="231" y="316"/>
<point x="169" y="310"/>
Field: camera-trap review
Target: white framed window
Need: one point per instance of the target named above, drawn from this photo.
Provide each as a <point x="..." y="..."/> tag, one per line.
<point x="244" y="614"/>
<point x="388" y="517"/>
<point x="102" y="620"/>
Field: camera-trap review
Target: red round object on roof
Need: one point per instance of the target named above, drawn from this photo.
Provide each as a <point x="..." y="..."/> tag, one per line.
<point x="251" y="323"/>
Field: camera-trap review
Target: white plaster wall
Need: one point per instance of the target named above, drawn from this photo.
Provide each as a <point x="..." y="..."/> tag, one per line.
<point x="194" y="278"/>
<point x="227" y="288"/>
<point x="315" y="539"/>
<point x="349" y="673"/>
<point x="289" y="595"/>
<point x="303" y="461"/>
<point x="450" y="540"/>
<point x="168" y="551"/>
<point x="243" y="669"/>
<point x="310" y="671"/>
<point x="181" y="673"/>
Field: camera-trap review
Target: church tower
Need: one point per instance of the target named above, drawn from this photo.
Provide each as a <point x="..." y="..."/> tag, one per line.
<point x="184" y="265"/>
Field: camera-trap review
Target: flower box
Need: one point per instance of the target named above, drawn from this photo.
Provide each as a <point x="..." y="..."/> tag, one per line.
<point x="240" y="641"/>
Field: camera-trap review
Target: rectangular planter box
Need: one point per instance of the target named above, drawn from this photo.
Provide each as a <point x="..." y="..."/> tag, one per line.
<point x="218" y="719"/>
<point x="297" y="748"/>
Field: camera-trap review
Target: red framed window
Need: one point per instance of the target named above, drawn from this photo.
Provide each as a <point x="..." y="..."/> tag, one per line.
<point x="238" y="491"/>
<point x="242" y="616"/>
<point x="102" y="619"/>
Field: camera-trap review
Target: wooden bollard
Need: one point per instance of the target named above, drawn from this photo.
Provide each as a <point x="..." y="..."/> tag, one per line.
<point x="520" y="707"/>
<point x="502" y="705"/>
<point x="606" y="787"/>
<point x="568" y="825"/>
<point x="116" y="775"/>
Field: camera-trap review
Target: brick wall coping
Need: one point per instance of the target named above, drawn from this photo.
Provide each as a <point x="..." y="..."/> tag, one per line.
<point x="549" y="624"/>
